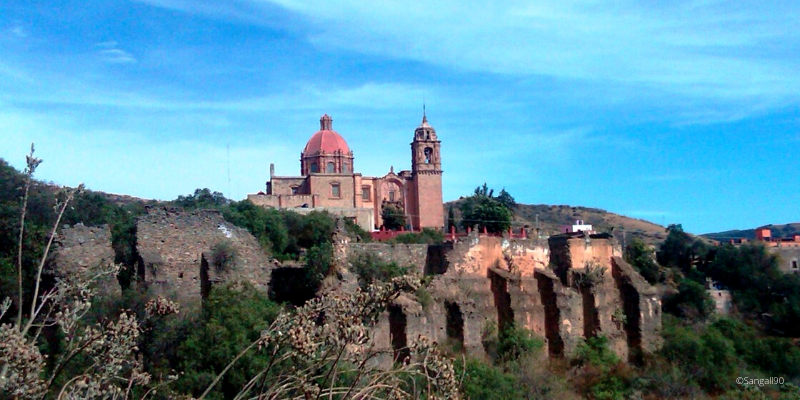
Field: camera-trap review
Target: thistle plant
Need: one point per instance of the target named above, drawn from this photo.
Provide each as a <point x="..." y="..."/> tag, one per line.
<point x="109" y="365"/>
<point x="323" y="350"/>
<point x="329" y="350"/>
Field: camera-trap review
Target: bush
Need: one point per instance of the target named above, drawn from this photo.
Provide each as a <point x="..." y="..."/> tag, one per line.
<point x="319" y="259"/>
<point x="356" y="232"/>
<point x="370" y="268"/>
<point x="642" y="259"/>
<point x="515" y="342"/>
<point x="426" y="236"/>
<point x="483" y="381"/>
<point x="703" y="353"/>
<point x="393" y="217"/>
<point x="223" y="256"/>
<point x="233" y="317"/>
<point x="692" y="301"/>
<point x="595" y="352"/>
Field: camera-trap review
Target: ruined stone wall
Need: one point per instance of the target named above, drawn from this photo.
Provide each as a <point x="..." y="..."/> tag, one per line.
<point x="79" y="248"/>
<point x="495" y="282"/>
<point x="478" y="253"/>
<point x="475" y="255"/>
<point x="575" y="252"/>
<point x="641" y="306"/>
<point x="283" y="200"/>
<point x="403" y="254"/>
<point x="172" y="243"/>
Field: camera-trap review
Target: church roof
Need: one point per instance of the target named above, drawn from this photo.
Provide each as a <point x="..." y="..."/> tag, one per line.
<point x="326" y="139"/>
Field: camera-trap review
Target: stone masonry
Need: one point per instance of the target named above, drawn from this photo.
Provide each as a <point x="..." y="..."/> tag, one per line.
<point x="572" y="288"/>
<point x="175" y="253"/>
<point x="79" y="248"/>
<point x="567" y="289"/>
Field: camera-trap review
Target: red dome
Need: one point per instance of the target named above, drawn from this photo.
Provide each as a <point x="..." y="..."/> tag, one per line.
<point x="326" y="139"/>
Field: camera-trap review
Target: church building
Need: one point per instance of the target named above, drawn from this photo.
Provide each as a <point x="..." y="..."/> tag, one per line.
<point x="328" y="181"/>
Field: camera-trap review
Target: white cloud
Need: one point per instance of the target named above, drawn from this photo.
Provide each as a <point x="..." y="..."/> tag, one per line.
<point x="717" y="59"/>
<point x="110" y="52"/>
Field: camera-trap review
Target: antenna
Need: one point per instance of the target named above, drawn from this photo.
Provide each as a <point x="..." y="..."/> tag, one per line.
<point x="228" y="150"/>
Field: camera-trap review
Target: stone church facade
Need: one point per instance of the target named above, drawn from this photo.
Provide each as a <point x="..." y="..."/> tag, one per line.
<point x="328" y="181"/>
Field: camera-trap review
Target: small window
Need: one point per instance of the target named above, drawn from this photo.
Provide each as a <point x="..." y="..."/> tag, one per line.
<point x="314" y="167"/>
<point x="365" y="193"/>
<point x="345" y="168"/>
<point x="330" y="168"/>
<point x="428" y="155"/>
<point x="294" y="190"/>
<point x="336" y="190"/>
<point x="391" y="195"/>
<point x="794" y="264"/>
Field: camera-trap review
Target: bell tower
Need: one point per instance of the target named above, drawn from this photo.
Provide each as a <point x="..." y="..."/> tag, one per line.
<point x="426" y="169"/>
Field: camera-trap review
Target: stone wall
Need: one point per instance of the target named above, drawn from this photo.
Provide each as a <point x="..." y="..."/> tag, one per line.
<point x="402" y="254"/>
<point x="79" y="248"/>
<point x="789" y="262"/>
<point x="491" y="282"/>
<point x="172" y="245"/>
<point x="284" y="200"/>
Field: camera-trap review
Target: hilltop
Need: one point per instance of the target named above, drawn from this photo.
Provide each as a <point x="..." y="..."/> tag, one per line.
<point x="550" y="217"/>
<point x="783" y="230"/>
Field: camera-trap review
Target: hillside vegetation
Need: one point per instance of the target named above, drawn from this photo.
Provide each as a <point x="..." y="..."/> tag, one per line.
<point x="551" y="217"/>
<point x="785" y="230"/>
<point x="243" y="342"/>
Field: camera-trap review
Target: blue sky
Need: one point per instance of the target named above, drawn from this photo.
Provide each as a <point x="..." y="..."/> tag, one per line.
<point x="676" y="112"/>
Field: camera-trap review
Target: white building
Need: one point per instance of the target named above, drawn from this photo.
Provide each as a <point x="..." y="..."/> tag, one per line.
<point x="579" y="226"/>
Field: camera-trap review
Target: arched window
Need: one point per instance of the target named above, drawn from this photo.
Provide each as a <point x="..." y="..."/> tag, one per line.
<point x="330" y="167"/>
<point x="314" y="167"/>
<point x="345" y="168"/>
<point x="428" y="155"/>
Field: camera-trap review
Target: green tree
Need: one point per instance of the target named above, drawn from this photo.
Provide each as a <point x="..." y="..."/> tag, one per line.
<point x="485" y="212"/>
<point x="268" y="225"/>
<point x="506" y="199"/>
<point x="393" y="217"/>
<point x="760" y="289"/>
<point x="482" y="210"/>
<point x="680" y="250"/>
<point x="692" y="301"/>
<point x="370" y="269"/>
<point x="319" y="259"/>
<point x="200" y="199"/>
<point x="233" y="317"/>
<point x="451" y="218"/>
<point x="640" y="256"/>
